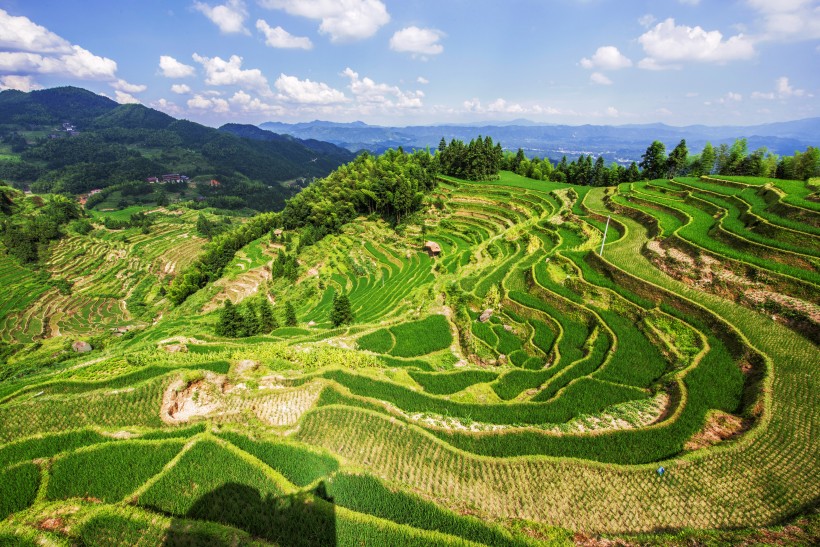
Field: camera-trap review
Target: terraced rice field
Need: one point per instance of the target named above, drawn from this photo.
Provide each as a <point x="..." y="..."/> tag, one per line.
<point x="520" y="377"/>
<point x="113" y="277"/>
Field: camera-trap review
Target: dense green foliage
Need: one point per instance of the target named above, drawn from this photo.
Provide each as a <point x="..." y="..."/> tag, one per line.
<point x="31" y="224"/>
<point x="110" y="144"/>
<point x="392" y="185"/>
<point x="210" y="265"/>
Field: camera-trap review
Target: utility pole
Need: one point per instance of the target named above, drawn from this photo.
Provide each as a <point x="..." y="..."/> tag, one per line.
<point x="601" y="252"/>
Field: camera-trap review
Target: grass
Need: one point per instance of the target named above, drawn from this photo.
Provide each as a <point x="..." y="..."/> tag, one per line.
<point x="109" y="472"/>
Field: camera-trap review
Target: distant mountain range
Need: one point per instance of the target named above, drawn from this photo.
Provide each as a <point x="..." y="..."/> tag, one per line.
<point x="95" y="142"/>
<point x="623" y="143"/>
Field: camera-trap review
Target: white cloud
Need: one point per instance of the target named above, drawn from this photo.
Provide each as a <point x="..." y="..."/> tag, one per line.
<point x="646" y="20"/>
<point x="20" y="83"/>
<point x="166" y="106"/>
<point x="369" y="92"/>
<point x="171" y="68"/>
<point x="230" y="72"/>
<point x="246" y="103"/>
<point x="125" y="98"/>
<point x="422" y="80"/>
<point x="788" y="19"/>
<point x="690" y="2"/>
<point x="783" y="90"/>
<point x="122" y="85"/>
<point x="607" y="58"/>
<point x="342" y="20"/>
<point x="669" y="43"/>
<point x="180" y="89"/>
<point x="229" y="17"/>
<point x="501" y="105"/>
<point x="216" y="105"/>
<point x="418" y="41"/>
<point x="29" y="48"/>
<point x="22" y="34"/>
<point x="280" y="38"/>
<point x="292" y="89"/>
<point x="731" y="97"/>
<point x="80" y="64"/>
<point x="600" y="79"/>
<point x="612" y="112"/>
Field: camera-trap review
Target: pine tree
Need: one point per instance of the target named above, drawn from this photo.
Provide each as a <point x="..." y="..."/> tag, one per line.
<point x="250" y="321"/>
<point x="290" y="315"/>
<point x="341" y="314"/>
<point x="266" y="318"/>
<point x="230" y="322"/>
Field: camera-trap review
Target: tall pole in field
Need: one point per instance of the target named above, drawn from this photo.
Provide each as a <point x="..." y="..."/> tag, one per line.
<point x="601" y="252"/>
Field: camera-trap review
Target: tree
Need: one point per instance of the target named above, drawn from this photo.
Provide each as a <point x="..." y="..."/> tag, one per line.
<point x="230" y="322"/>
<point x="341" y="314"/>
<point x="707" y="160"/>
<point x="653" y="161"/>
<point x="251" y="325"/>
<point x="267" y="320"/>
<point x="290" y="315"/>
<point x="676" y="162"/>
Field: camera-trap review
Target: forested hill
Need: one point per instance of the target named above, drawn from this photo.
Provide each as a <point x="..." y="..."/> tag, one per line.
<point x="69" y="140"/>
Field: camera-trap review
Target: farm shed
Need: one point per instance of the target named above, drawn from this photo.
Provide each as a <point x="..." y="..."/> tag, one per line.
<point x="432" y="248"/>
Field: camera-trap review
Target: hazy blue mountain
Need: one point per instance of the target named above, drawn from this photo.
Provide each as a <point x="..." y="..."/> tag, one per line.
<point x="623" y="143"/>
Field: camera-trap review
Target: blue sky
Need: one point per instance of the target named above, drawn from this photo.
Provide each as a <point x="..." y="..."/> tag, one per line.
<point x="411" y="62"/>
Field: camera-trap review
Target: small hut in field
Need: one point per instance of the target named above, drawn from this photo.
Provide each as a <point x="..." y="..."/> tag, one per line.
<point x="433" y="249"/>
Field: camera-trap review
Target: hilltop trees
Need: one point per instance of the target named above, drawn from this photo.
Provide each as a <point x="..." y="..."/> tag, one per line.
<point x="479" y="160"/>
<point x="392" y="185"/>
<point x="653" y="161"/>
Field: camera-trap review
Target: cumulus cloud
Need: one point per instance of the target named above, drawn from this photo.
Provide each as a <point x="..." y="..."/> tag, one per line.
<point x="783" y="90"/>
<point x="730" y="97"/>
<point x="501" y="105"/>
<point x="29" y="48"/>
<point x="229" y="17"/>
<point x="788" y="19"/>
<point x="171" y="68"/>
<point x="600" y="79"/>
<point x="422" y="80"/>
<point x="221" y="72"/>
<point x="367" y="91"/>
<point x="606" y="58"/>
<point x="125" y="98"/>
<point x="216" y="105"/>
<point x="249" y="104"/>
<point x="180" y="89"/>
<point x="280" y="38"/>
<point x="80" y="64"/>
<point x="292" y="89"/>
<point x="122" y="85"/>
<point x="418" y="41"/>
<point x="166" y="106"/>
<point x="342" y="20"/>
<point x="668" y="43"/>
<point x="23" y="34"/>
<point x="612" y="112"/>
<point x="20" y="83"/>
